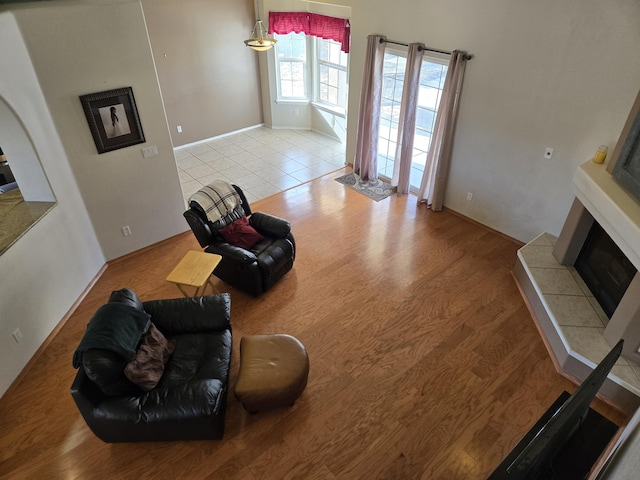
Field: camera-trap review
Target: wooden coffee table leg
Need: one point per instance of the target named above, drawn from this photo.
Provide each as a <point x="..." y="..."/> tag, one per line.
<point x="184" y="292"/>
<point x="214" y="289"/>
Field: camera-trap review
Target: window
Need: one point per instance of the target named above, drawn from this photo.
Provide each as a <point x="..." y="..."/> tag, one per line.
<point x="432" y="76"/>
<point x="291" y="66"/>
<point x="393" y="76"/>
<point x="327" y="63"/>
<point x="331" y="78"/>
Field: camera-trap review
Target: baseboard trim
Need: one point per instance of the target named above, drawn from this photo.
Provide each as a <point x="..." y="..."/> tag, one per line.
<point x="486" y="227"/>
<point x="129" y="255"/>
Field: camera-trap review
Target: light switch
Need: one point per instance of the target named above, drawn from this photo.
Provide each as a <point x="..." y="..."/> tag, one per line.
<point x="149" y="151"/>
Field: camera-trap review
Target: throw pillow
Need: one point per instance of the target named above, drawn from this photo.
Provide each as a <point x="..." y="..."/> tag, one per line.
<point x="241" y="234"/>
<point x="147" y="366"/>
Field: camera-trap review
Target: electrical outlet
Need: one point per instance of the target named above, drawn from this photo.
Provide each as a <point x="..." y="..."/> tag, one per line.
<point x="126" y="231"/>
<point x="548" y="153"/>
<point x="179" y="128"/>
<point x="469" y="196"/>
<point x="17" y="335"/>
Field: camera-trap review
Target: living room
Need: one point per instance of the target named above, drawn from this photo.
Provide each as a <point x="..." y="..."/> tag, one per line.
<point x="543" y="75"/>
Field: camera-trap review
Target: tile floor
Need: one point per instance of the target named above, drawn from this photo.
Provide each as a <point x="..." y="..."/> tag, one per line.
<point x="262" y="161"/>
<point x="573" y="308"/>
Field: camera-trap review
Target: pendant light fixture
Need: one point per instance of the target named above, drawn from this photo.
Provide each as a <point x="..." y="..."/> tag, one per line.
<point x="260" y="39"/>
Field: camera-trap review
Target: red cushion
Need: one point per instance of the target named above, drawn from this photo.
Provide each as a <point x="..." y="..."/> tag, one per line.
<point x="241" y="234"/>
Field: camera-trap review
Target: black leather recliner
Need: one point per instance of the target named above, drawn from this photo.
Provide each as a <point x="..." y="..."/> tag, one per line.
<point x="253" y="270"/>
<point x="188" y="403"/>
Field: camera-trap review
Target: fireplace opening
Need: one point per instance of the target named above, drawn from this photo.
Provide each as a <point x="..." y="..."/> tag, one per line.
<point x="604" y="268"/>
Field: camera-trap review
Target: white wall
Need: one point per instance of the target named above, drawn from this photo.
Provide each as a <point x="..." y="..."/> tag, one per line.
<point x="43" y="274"/>
<point x="23" y="159"/>
<point x="79" y="48"/>
<point x="545" y="74"/>
<point x="51" y="53"/>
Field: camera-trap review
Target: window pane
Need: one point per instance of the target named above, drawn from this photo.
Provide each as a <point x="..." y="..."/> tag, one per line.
<point x="323" y="51"/>
<point x="298" y="89"/>
<point x="425" y="118"/>
<point x="334" y="52"/>
<point x="388" y="85"/>
<point x="331" y="71"/>
<point x="286" y="89"/>
<point x="432" y="74"/>
<point x="333" y="77"/>
<point x="343" y="90"/>
<point x="390" y="62"/>
<point x="297" y="71"/>
<point x="291" y="65"/>
<point x="324" y="92"/>
<point x="343" y="78"/>
<point x="299" y="48"/>
<point x="292" y="45"/>
<point x="344" y="59"/>
<point x="285" y="70"/>
<point x="324" y="73"/>
<point x="421" y="140"/>
<point x="333" y="95"/>
<point x="283" y="47"/>
<point x="428" y="97"/>
<point x="432" y="77"/>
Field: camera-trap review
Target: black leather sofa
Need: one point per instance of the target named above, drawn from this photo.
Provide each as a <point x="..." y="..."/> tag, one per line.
<point x="189" y="402"/>
<point x="253" y="270"/>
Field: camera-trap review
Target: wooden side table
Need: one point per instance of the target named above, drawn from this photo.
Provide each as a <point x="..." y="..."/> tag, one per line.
<point x="194" y="270"/>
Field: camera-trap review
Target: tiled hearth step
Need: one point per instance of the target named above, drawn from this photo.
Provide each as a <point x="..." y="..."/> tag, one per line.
<point x="571" y="318"/>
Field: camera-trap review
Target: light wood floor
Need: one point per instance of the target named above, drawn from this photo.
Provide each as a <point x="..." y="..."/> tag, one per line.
<point x="425" y="363"/>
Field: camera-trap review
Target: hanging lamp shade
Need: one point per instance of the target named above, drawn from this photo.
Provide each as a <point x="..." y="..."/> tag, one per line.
<point x="260" y="39"/>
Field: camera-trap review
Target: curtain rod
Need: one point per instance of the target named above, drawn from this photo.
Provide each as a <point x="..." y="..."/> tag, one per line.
<point x="444" y="52"/>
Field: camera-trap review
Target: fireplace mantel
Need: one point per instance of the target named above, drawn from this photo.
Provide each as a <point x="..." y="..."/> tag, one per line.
<point x="611" y="206"/>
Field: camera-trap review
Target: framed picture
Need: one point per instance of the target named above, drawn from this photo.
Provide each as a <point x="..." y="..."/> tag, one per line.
<point x="113" y="119"/>
<point x="626" y="156"/>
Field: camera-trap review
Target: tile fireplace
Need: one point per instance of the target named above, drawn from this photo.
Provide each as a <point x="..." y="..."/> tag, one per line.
<point x="571" y="321"/>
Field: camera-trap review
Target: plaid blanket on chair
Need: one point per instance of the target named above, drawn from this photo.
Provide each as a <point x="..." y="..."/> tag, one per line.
<point x="216" y="199"/>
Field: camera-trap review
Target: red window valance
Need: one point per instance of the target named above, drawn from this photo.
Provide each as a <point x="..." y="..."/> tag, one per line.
<point x="329" y="28"/>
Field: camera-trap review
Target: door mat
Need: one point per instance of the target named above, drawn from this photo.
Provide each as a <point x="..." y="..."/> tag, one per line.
<point x="375" y="189"/>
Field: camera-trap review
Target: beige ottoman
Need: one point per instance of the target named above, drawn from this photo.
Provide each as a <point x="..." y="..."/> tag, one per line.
<point x="273" y="371"/>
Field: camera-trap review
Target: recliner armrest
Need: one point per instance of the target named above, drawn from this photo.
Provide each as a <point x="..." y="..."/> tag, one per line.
<point x="191" y="315"/>
<point x="237" y="254"/>
<point x="270" y="225"/>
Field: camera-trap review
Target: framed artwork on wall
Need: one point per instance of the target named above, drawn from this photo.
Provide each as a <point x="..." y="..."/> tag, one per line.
<point x="625" y="161"/>
<point x="113" y="119"/>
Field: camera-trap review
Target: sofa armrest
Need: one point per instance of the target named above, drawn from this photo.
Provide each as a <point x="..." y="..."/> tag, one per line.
<point x="191" y="315"/>
<point x="270" y="225"/>
<point x="237" y="254"/>
<point x="85" y="393"/>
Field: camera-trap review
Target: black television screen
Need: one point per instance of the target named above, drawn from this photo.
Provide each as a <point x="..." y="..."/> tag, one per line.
<point x="535" y="458"/>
